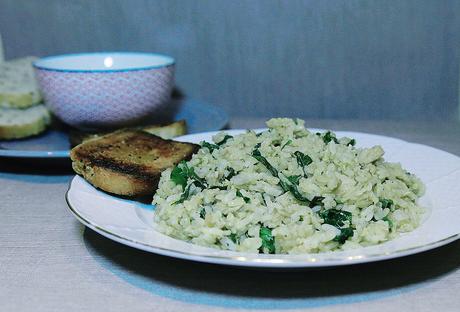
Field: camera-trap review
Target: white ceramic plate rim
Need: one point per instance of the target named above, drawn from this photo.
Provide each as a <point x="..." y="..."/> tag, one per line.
<point x="256" y="260"/>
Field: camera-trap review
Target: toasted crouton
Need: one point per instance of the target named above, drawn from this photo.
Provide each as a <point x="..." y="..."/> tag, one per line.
<point x="128" y="162"/>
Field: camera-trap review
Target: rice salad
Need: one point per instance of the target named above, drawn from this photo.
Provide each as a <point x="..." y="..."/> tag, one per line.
<point x="286" y="190"/>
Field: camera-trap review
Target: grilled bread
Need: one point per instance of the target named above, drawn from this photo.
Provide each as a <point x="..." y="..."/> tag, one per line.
<point x="128" y="162"/>
<point x="165" y="131"/>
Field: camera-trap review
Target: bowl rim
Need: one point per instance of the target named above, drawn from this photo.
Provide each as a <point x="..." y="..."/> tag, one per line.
<point x="36" y="64"/>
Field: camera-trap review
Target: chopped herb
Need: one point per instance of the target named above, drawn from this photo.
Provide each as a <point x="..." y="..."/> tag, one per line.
<point x="257" y="155"/>
<point x="246" y="199"/>
<point x="231" y="173"/>
<point x="345" y="233"/>
<point x="259" y="134"/>
<point x="202" y="213"/>
<point x="318" y="134"/>
<point x="317" y="200"/>
<point x="328" y="137"/>
<point x="211" y="147"/>
<point x="386" y="203"/>
<point x="338" y="201"/>
<point x="179" y="174"/>
<point x="234" y="238"/>
<point x="301" y="218"/>
<point x="294" y="179"/>
<point x="303" y="161"/>
<point x="285" y="144"/>
<point x="219" y="187"/>
<point x="390" y="223"/>
<point x="268" y="241"/>
<point x="335" y="217"/>
<point x="184" y="195"/>
<point x="352" y="142"/>
<point x="226" y="138"/>
<point x="338" y="218"/>
<point x="285" y="184"/>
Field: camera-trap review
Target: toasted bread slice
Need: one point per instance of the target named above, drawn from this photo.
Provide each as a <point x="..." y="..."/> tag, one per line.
<point x="21" y="123"/>
<point x="18" y="87"/>
<point x="128" y="162"/>
<point x="165" y="131"/>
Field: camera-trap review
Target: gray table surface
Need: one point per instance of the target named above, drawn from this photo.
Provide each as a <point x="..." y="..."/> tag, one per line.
<point x="49" y="262"/>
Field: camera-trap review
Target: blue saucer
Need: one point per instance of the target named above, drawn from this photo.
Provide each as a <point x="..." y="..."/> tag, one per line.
<point x="54" y="143"/>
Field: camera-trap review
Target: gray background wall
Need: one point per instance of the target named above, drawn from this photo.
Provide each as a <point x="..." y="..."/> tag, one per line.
<point x="327" y="59"/>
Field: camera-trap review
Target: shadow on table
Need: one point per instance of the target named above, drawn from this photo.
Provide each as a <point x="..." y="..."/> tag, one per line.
<point x="235" y="287"/>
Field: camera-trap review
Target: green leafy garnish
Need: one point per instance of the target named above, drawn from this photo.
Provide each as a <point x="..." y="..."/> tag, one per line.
<point x="184" y="196"/>
<point x="335" y="217"/>
<point x="386" y="203"/>
<point x="285" y="144"/>
<point x="181" y="174"/>
<point x="294" y="179"/>
<point x="390" y="223"/>
<point x="352" y="142"/>
<point x="234" y="238"/>
<point x="268" y="241"/>
<point x="257" y="155"/>
<point x="231" y="173"/>
<point x="211" y="147"/>
<point x="224" y="140"/>
<point x="345" y="233"/>
<point x="303" y="161"/>
<point x="246" y="199"/>
<point x="285" y="183"/>
<point x="202" y="213"/>
<point x="219" y="187"/>
<point x="328" y="137"/>
<point x="338" y="218"/>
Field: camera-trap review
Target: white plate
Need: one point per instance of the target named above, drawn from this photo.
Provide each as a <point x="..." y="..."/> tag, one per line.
<point x="130" y="223"/>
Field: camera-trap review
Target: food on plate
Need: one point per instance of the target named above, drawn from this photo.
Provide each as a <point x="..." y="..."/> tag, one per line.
<point x="286" y="190"/>
<point x="165" y="131"/>
<point x="18" y="87"/>
<point x="128" y="162"/>
<point x="21" y="111"/>
<point x="20" y="123"/>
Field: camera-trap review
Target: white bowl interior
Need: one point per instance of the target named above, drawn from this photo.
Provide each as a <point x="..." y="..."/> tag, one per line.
<point x="104" y="61"/>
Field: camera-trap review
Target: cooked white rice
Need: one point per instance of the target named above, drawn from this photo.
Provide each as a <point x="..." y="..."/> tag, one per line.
<point x="235" y="202"/>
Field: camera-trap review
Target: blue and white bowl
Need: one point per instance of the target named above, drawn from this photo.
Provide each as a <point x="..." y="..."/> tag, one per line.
<point x="105" y="90"/>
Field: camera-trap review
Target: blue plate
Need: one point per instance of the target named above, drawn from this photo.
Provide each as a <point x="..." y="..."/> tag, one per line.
<point x="54" y="143"/>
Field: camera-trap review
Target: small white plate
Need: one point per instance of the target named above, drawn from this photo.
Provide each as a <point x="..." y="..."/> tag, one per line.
<point x="130" y="223"/>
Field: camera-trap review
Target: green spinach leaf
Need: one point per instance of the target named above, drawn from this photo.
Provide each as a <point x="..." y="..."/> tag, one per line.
<point x="328" y="137"/>
<point x="386" y="203"/>
<point x="246" y="199"/>
<point x="224" y="140"/>
<point x="268" y="241"/>
<point x="335" y="217"/>
<point x="303" y="161"/>
<point x="345" y="233"/>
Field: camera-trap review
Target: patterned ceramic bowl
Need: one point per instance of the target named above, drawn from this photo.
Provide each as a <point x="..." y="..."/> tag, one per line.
<point x="105" y="90"/>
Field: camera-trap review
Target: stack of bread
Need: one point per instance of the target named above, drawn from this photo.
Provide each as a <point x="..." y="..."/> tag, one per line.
<point x="22" y="112"/>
